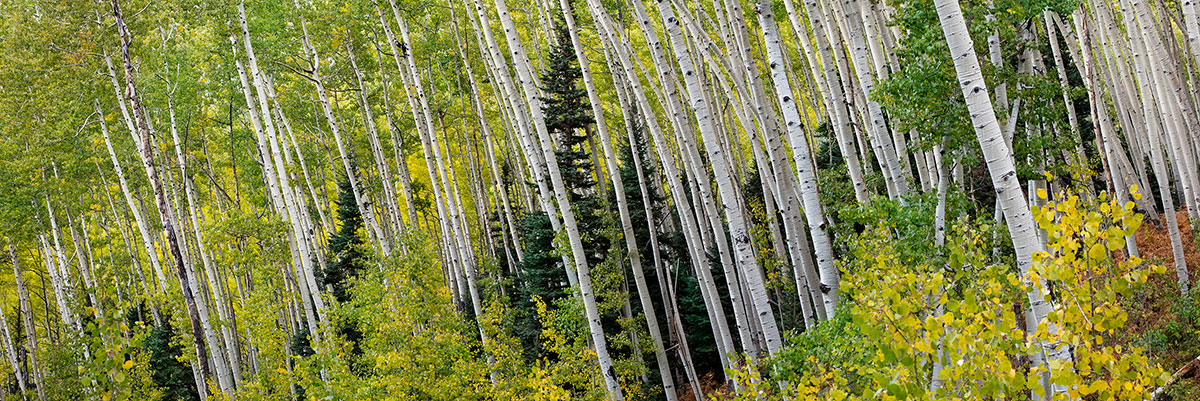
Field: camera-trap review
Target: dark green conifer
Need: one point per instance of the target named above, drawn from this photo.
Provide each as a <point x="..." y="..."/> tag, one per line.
<point x="567" y="118"/>
<point x="168" y="373"/>
<point x="346" y="260"/>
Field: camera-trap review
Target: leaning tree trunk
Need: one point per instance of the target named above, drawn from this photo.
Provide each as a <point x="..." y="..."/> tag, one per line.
<point x="1102" y="124"/>
<point x="9" y="350"/>
<point x="999" y="159"/>
<point x="830" y="277"/>
<point x="579" y="256"/>
<point x="27" y="320"/>
<point x="878" y="124"/>
<point x="164" y="209"/>
<point x="618" y="185"/>
<point x="227" y="333"/>
<point x="1153" y="80"/>
<point x="694" y="233"/>
<point x="310" y="309"/>
<point x="360" y="194"/>
<point x="148" y="239"/>
<point x="727" y="189"/>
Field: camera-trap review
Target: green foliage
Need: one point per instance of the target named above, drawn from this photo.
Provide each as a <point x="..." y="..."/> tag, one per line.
<point x="542" y="276"/>
<point x="172" y="376"/>
<point x="833" y="345"/>
<point x="568" y="118"/>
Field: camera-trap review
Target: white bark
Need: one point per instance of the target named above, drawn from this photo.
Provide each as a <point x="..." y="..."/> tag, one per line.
<point x="143" y="227"/>
<point x="27" y="320"/>
<point x="881" y="134"/>
<point x="999" y="159"/>
<point x="727" y="189"/>
<point x="165" y="212"/>
<point x="614" y="174"/>
<point x="830" y="277"/>
<point x="579" y="256"/>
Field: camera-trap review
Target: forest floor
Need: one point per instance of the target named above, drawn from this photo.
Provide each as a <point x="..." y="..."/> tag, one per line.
<point x="1162" y="321"/>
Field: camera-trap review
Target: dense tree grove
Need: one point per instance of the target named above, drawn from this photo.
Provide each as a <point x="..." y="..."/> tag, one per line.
<point x="599" y="200"/>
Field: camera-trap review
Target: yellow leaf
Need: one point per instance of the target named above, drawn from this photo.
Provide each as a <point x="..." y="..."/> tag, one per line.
<point x="128" y="364"/>
<point x="1041" y="193"/>
<point x="1097" y="252"/>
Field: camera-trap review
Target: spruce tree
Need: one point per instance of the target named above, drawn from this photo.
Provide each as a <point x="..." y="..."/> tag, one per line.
<point x="168" y="373"/>
<point x="346" y="262"/>
<point x="542" y="276"/>
<point x="567" y="118"/>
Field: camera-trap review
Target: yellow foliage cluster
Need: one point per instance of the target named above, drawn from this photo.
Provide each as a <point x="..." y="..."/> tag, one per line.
<point x="959" y="327"/>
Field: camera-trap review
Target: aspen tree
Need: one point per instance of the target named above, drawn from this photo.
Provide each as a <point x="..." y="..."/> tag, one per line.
<point x="227" y="334"/>
<point x="677" y="189"/>
<point x="618" y="185"/>
<point x="1154" y="80"/>
<point x="165" y="212"/>
<point x="840" y="117"/>
<point x="143" y="226"/>
<point x="360" y="196"/>
<point x="391" y="205"/>
<point x="27" y="320"/>
<point x="311" y="311"/>
<point x="1102" y="124"/>
<point x="509" y="231"/>
<point x="830" y="277"/>
<point x="522" y="112"/>
<point x="1000" y="164"/>
<point x="10" y="352"/>
<point x="898" y="174"/>
<point x="578" y="255"/>
<point x="694" y="232"/>
<point x="727" y="189"/>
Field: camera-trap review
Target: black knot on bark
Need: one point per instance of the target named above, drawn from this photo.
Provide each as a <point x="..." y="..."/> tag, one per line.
<point x="824" y="288"/>
<point x="787" y="98"/>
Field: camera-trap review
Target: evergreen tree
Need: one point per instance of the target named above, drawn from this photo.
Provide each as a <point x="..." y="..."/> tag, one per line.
<point x="345" y="264"/>
<point x="346" y="261"/>
<point x="567" y="117"/>
<point x="168" y="373"/>
<point x="542" y="276"/>
<point x="629" y="154"/>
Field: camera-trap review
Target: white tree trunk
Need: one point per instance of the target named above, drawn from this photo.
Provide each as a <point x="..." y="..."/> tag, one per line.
<point x="27" y="320"/>
<point x="999" y="159"/>
<point x="830" y="277"/>
<point x="579" y="256"/>
<point x="727" y="189"/>
<point x="165" y="212"/>
<point x="618" y="185"/>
